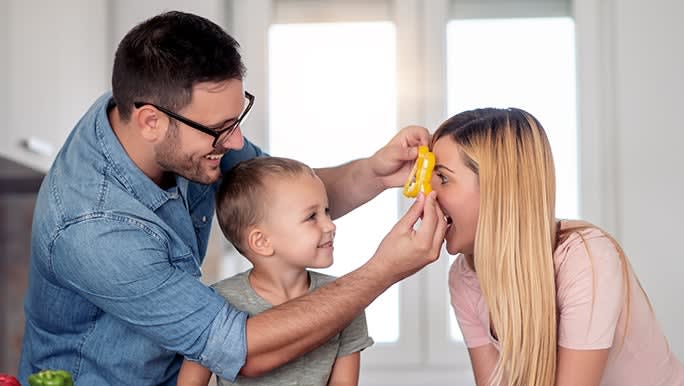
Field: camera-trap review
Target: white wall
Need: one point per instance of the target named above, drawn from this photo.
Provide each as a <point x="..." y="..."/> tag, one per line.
<point x="55" y="66"/>
<point x="649" y="60"/>
<point x="124" y="14"/>
<point x="57" y="58"/>
<point x="4" y="71"/>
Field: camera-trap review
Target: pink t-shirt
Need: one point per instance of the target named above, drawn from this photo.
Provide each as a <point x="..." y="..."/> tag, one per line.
<point x="645" y="357"/>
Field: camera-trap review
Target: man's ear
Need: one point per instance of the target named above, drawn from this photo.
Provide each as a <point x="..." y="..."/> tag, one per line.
<point x="151" y="123"/>
<point x="259" y="242"/>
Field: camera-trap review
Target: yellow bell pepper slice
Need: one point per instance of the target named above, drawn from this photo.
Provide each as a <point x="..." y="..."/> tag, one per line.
<point x="419" y="178"/>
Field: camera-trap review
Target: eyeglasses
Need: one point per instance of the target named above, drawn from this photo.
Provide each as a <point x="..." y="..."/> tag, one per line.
<point x="221" y="135"/>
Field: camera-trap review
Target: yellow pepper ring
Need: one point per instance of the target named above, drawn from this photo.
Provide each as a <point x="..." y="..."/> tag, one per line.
<point x="419" y="178"/>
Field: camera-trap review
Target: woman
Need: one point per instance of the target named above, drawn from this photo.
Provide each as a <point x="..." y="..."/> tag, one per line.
<point x="539" y="301"/>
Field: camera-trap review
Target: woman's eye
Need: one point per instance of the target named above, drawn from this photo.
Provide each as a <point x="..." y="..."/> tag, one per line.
<point x="442" y="178"/>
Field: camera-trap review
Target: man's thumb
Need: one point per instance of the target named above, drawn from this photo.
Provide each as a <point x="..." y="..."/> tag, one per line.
<point x="409" y="219"/>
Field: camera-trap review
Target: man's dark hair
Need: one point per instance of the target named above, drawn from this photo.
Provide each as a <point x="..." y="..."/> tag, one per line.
<point x="161" y="59"/>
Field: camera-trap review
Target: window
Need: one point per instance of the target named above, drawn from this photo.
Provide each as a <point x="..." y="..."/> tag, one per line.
<point x="525" y="63"/>
<point x="343" y="76"/>
<point x="332" y="99"/>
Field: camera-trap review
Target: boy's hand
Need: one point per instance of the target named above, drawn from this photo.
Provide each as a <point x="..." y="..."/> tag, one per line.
<point x="393" y="162"/>
<point x="406" y="250"/>
<point x="193" y="374"/>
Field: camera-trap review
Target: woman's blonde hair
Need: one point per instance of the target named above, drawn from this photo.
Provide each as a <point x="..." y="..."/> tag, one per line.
<point x="509" y="151"/>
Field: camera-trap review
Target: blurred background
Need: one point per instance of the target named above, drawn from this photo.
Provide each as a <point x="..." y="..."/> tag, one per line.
<point x="334" y="80"/>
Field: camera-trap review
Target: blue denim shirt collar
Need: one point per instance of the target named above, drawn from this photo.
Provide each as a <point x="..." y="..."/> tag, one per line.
<point x="131" y="177"/>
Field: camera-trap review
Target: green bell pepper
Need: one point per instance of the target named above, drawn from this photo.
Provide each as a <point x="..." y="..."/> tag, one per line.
<point x="51" y="378"/>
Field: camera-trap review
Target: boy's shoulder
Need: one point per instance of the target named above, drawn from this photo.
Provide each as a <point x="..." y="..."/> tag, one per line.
<point x="237" y="282"/>
<point x="319" y="279"/>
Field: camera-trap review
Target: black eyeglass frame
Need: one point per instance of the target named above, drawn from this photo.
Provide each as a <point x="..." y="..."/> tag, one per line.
<point x="225" y="133"/>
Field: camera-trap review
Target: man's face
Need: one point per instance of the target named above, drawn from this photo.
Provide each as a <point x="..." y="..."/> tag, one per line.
<point x="188" y="152"/>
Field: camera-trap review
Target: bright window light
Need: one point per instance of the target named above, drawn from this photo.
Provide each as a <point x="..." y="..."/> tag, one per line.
<point x="332" y="90"/>
<point x="524" y="63"/>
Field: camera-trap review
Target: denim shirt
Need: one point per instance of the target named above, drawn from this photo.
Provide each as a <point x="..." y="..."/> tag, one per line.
<point x="114" y="293"/>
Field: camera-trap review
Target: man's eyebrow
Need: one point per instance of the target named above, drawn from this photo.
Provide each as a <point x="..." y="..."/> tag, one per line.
<point x="440" y="166"/>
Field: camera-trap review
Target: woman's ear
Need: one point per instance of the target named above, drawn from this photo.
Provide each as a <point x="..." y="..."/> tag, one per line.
<point x="259" y="242"/>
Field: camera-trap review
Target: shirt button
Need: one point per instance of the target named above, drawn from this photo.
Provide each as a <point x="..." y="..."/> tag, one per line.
<point x="204" y="218"/>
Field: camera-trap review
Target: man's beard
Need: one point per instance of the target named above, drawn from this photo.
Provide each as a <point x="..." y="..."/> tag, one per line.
<point x="172" y="160"/>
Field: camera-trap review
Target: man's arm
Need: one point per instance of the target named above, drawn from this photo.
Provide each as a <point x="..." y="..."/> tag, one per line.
<point x="355" y="183"/>
<point x="294" y="328"/>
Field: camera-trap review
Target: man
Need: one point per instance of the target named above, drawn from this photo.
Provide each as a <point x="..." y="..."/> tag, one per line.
<point x="122" y="223"/>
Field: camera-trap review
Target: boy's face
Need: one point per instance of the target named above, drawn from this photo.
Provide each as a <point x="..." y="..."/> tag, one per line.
<point x="298" y="222"/>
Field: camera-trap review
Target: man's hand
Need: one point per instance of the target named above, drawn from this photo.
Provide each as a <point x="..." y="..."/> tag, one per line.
<point x="393" y="162"/>
<point x="406" y="250"/>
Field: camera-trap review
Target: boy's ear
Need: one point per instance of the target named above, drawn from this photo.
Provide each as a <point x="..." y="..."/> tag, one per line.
<point x="259" y="242"/>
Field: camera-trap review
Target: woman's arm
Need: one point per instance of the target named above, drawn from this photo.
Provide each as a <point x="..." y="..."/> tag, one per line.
<point x="580" y="367"/>
<point x="345" y="371"/>
<point x="483" y="359"/>
<point x="193" y="374"/>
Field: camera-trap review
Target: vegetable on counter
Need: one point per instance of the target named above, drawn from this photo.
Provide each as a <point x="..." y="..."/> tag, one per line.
<point x="51" y="378"/>
<point x="8" y="380"/>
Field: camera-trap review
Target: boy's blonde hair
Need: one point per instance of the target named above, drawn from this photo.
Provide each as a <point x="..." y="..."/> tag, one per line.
<point x="242" y="197"/>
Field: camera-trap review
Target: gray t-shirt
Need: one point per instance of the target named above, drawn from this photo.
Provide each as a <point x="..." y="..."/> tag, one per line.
<point x="311" y="369"/>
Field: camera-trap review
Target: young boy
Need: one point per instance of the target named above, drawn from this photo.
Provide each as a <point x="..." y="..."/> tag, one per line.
<point x="275" y="212"/>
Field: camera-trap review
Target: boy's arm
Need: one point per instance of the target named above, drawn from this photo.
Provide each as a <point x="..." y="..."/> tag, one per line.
<point x="345" y="371"/>
<point x="193" y="374"/>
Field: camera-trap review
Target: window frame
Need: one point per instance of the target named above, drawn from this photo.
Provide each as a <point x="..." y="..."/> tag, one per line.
<point x="425" y="346"/>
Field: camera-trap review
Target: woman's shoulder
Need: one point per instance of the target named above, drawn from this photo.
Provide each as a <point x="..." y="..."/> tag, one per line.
<point x="581" y="244"/>
<point x="461" y="276"/>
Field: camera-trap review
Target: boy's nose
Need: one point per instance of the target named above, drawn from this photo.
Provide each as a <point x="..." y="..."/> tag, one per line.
<point x="329" y="226"/>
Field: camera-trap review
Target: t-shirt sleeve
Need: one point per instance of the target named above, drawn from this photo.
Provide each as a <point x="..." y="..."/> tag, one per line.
<point x="464" y="299"/>
<point x="355" y="337"/>
<point x="590" y="294"/>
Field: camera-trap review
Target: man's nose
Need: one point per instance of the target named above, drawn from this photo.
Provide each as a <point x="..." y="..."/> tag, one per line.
<point x="235" y="141"/>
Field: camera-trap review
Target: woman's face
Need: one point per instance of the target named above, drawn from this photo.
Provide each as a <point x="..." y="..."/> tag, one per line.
<point x="458" y="193"/>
